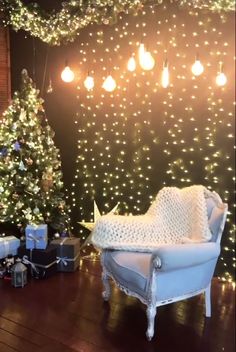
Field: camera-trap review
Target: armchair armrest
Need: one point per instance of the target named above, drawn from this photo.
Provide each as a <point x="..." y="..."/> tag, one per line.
<point x="171" y="257"/>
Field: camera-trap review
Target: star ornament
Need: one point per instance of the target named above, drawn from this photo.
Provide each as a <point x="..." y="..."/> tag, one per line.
<point x="97" y="214"/>
<point x="90" y="225"/>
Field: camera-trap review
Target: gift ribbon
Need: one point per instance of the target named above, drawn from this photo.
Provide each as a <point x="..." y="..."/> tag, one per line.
<point x="62" y="260"/>
<point x="32" y="237"/>
<point x="26" y="261"/>
<point x="45" y="266"/>
<point x="34" y="266"/>
<point x="65" y="260"/>
<point x="61" y="250"/>
<point x="63" y="241"/>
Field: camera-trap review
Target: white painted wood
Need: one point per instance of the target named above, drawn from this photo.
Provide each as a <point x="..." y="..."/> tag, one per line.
<point x="151" y="313"/>
<point x="208" y="301"/>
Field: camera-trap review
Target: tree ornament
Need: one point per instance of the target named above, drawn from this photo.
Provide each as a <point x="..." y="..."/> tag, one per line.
<point x="22" y="140"/>
<point x="15" y="195"/>
<point x="61" y="205"/>
<point x="36" y="210"/>
<point x="19" y="204"/>
<point x="29" y="161"/>
<point x="16" y="146"/>
<point x="45" y="185"/>
<point x="7" y="159"/>
<point x="14" y="126"/>
<point x="22" y="166"/>
<point x="22" y="116"/>
<point x="4" y="151"/>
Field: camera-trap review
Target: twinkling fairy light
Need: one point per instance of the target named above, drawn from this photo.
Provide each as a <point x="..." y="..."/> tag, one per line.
<point x="141" y="136"/>
<point x="65" y="25"/>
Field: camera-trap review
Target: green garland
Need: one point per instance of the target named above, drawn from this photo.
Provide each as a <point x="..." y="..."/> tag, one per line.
<point x="66" y="24"/>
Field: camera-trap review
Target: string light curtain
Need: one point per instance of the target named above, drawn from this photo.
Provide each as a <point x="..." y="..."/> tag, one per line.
<point x="140" y="137"/>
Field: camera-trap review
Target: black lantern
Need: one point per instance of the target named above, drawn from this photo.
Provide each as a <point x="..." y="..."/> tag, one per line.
<point x="19" y="274"/>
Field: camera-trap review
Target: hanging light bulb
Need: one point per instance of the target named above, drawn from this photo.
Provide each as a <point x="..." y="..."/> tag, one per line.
<point x="147" y="61"/>
<point x="221" y="78"/>
<point x="197" y="68"/>
<point x="165" y="77"/>
<point x="50" y="87"/>
<point x="89" y="82"/>
<point x="109" y="84"/>
<point x="141" y="51"/>
<point x="131" y="66"/>
<point x="67" y="74"/>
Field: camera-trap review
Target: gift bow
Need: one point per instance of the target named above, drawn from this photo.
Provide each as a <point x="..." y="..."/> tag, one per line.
<point x="63" y="260"/>
<point x="32" y="237"/>
<point x="26" y="261"/>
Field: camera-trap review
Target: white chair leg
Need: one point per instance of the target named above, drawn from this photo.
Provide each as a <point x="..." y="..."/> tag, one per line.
<point x="151" y="313"/>
<point x="105" y="279"/>
<point x="208" y="301"/>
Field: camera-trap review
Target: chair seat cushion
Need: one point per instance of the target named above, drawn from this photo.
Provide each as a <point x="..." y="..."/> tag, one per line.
<point x="130" y="269"/>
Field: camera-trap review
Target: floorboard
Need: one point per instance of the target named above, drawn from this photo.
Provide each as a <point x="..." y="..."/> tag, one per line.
<point x="65" y="313"/>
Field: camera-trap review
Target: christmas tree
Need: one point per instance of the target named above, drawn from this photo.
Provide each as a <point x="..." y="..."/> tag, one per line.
<point x="30" y="168"/>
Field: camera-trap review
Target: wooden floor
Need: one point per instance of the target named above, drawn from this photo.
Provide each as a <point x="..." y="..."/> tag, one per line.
<point x="66" y="313"/>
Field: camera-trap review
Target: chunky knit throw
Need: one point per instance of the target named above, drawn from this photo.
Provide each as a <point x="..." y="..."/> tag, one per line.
<point x="176" y="216"/>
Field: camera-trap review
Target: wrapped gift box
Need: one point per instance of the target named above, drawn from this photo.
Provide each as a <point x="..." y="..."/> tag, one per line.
<point x="8" y="245"/>
<point x="67" y="253"/>
<point x="41" y="263"/>
<point x="36" y="236"/>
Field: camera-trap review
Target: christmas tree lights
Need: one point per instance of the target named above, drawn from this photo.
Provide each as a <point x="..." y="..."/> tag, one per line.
<point x="30" y="168"/>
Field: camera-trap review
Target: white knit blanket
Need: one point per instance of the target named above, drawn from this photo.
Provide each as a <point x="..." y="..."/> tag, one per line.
<point x="176" y="216"/>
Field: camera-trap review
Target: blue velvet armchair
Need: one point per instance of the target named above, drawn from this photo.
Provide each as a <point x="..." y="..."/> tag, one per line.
<point x="171" y="273"/>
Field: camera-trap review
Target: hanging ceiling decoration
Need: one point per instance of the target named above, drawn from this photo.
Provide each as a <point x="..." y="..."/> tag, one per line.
<point x="63" y="26"/>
